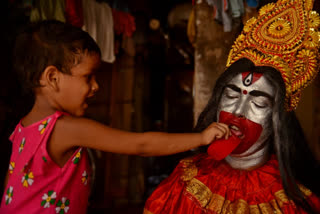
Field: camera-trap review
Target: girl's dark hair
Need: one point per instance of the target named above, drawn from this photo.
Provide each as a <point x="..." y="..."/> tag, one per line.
<point x="49" y="43"/>
<point x="296" y="161"/>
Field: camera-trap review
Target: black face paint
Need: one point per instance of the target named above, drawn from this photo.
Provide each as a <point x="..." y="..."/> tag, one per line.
<point x="247" y="81"/>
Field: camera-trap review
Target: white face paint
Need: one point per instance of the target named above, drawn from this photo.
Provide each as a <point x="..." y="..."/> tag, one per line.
<point x="251" y="100"/>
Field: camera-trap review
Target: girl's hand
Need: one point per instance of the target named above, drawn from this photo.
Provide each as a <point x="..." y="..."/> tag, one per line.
<point x="215" y="131"/>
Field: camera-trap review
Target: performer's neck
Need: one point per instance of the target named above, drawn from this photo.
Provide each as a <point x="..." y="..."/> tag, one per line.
<point x="250" y="161"/>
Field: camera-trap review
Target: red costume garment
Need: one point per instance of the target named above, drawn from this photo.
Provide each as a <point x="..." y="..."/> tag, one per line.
<point x="202" y="185"/>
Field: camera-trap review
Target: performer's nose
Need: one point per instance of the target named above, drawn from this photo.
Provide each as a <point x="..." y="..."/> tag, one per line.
<point x="240" y="116"/>
<point x="240" y="110"/>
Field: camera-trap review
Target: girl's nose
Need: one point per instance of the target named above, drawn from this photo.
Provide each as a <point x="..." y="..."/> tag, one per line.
<point x="95" y="86"/>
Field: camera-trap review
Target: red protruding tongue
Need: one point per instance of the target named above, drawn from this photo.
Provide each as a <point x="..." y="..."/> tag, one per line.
<point x="221" y="148"/>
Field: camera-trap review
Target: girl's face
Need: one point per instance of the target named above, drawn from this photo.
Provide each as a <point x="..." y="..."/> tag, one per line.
<point x="248" y="101"/>
<point x="76" y="88"/>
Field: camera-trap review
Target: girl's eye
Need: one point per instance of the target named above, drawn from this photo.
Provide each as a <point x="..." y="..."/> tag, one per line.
<point x="88" y="77"/>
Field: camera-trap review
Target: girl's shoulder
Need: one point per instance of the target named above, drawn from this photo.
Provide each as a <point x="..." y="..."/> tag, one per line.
<point x="34" y="119"/>
<point x="35" y="126"/>
<point x="73" y="124"/>
<point x="78" y="131"/>
<point x="63" y="139"/>
<point x="70" y="131"/>
<point x="70" y="124"/>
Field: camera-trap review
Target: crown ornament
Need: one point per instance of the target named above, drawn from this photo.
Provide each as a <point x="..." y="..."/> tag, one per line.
<point x="284" y="36"/>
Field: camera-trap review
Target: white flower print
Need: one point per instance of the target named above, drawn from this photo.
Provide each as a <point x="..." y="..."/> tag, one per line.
<point x="48" y="199"/>
<point x="12" y="165"/>
<point x="43" y="125"/>
<point x="9" y="195"/>
<point x="22" y="144"/>
<point x="62" y="205"/>
<point x="77" y="157"/>
<point x="27" y="179"/>
<point x="84" y="177"/>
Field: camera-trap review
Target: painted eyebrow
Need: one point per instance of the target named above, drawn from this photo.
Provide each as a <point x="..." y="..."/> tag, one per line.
<point x="233" y="87"/>
<point x="256" y="93"/>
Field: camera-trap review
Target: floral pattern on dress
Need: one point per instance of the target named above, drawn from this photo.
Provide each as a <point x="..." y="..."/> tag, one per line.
<point x="9" y="195"/>
<point x="43" y="125"/>
<point x="44" y="159"/>
<point x="48" y="199"/>
<point x="62" y="205"/>
<point x="27" y="179"/>
<point x="34" y="188"/>
<point x="84" y="177"/>
<point x="23" y="141"/>
<point x="77" y="157"/>
<point x="25" y="167"/>
<point x="12" y="165"/>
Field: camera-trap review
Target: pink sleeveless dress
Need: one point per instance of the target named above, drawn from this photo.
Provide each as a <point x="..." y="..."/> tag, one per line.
<point x="38" y="185"/>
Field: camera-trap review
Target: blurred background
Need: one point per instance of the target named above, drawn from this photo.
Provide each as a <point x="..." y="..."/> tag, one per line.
<point x="160" y="62"/>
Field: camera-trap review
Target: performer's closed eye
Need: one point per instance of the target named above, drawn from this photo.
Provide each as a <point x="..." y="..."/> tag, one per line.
<point x="232" y="96"/>
<point x="258" y="105"/>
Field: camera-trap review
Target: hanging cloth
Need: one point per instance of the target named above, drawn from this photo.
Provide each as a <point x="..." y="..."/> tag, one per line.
<point x="74" y="13"/>
<point x="48" y="10"/>
<point x="237" y="8"/>
<point x="221" y="14"/>
<point x="123" y="23"/>
<point x="98" y="22"/>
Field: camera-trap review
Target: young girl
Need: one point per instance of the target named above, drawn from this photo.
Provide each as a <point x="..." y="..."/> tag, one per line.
<point x="49" y="171"/>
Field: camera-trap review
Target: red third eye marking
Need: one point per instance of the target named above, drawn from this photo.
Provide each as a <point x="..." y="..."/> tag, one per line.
<point x="250" y="77"/>
<point x="244" y="92"/>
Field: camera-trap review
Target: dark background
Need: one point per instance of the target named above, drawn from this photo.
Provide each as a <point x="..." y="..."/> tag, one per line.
<point x="161" y="73"/>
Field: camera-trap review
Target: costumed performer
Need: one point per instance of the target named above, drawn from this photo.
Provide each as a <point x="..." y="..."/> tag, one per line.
<point x="266" y="166"/>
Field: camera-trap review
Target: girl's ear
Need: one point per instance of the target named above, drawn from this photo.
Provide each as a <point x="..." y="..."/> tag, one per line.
<point x="51" y="77"/>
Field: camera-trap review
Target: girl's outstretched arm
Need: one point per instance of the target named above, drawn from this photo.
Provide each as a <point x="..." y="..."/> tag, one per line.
<point x="71" y="132"/>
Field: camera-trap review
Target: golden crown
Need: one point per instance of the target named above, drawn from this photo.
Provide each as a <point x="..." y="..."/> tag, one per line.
<point x="284" y="36"/>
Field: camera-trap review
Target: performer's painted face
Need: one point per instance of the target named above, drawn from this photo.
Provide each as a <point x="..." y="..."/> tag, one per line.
<point x="246" y="106"/>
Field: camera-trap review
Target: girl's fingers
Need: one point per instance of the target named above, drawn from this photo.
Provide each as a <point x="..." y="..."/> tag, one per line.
<point x="220" y="131"/>
<point x="216" y="131"/>
<point x="228" y="129"/>
<point x="224" y="128"/>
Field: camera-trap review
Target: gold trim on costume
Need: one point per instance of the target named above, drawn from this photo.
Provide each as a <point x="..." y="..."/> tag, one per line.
<point x="254" y="209"/>
<point x="281" y="197"/>
<point x="266" y="208"/>
<point x="238" y="207"/>
<point x="189" y="169"/>
<point x="305" y="190"/>
<point x="218" y="204"/>
<point x="199" y="191"/>
<point x="275" y="206"/>
<point x="215" y="202"/>
<point x="145" y="211"/>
